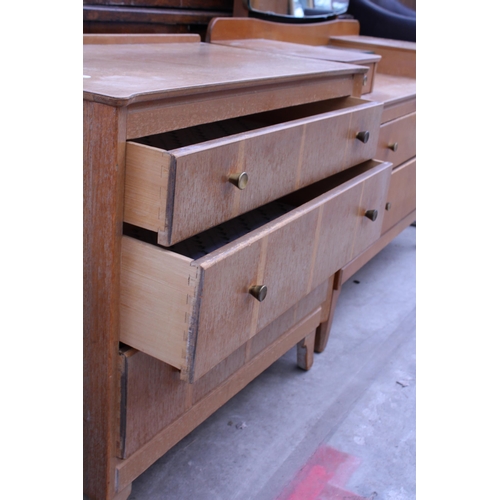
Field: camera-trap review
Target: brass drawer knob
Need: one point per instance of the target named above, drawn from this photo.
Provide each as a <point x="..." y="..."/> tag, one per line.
<point x="239" y="180"/>
<point x="259" y="292"/>
<point x="363" y="136"/>
<point x="393" y="146"/>
<point x="372" y="214"/>
<point x="388" y="206"/>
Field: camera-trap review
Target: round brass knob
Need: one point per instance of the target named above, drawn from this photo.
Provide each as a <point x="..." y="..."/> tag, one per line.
<point x="363" y="136"/>
<point x="393" y="146"/>
<point x="239" y="180"/>
<point x="372" y="214"/>
<point x="259" y="292"/>
<point x="388" y="206"/>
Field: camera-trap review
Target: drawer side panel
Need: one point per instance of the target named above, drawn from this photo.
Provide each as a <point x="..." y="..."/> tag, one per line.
<point x="148" y="182"/>
<point x="158" y="300"/>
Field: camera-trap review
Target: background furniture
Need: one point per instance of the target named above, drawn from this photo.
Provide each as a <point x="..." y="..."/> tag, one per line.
<point x="394" y="85"/>
<point x="152" y="16"/>
<point x="175" y="323"/>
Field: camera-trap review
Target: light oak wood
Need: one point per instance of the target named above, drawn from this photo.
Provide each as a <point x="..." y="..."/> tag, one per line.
<point x="402" y="132"/>
<point x="258" y="343"/>
<point x="308" y="34"/>
<point x="159" y="302"/>
<point x="122" y="74"/>
<point x="154" y="396"/>
<point x="105" y="38"/>
<point x="323" y="330"/>
<point x="129" y="469"/>
<point x="129" y="95"/>
<point x="356" y="264"/>
<point x="184" y="191"/>
<point x="147" y="182"/>
<point x="326" y="53"/>
<point x="305" y="351"/>
<point x="160" y="289"/>
<point x="397" y="93"/>
<point x="401" y="195"/>
<point x="173" y="114"/>
<point x="103" y="180"/>
<point x="398" y="57"/>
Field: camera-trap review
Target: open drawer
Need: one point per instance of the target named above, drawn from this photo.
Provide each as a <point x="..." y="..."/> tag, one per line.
<point x="195" y="303"/>
<point x="183" y="182"/>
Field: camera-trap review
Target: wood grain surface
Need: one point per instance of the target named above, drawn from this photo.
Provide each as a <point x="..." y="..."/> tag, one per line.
<point x="402" y="131"/>
<point x="127" y="470"/>
<point x="326" y="53"/>
<point x="107" y="38"/>
<point x="398" y="57"/>
<point x="292" y="255"/>
<point x="278" y="158"/>
<point x="103" y="179"/>
<point x="309" y="34"/>
<point x="123" y="73"/>
<point x="402" y="194"/>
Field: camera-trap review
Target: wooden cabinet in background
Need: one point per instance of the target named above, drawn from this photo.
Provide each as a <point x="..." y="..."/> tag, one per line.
<point x="152" y="16"/>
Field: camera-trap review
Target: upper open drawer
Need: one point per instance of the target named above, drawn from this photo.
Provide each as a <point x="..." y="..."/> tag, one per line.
<point x="183" y="182"/>
<point x="194" y="303"/>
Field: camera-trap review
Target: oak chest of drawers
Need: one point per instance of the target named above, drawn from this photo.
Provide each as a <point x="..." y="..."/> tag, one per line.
<point x="222" y="196"/>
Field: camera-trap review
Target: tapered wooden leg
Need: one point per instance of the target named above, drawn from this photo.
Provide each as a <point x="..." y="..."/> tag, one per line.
<point x="323" y="330"/>
<point x="305" y="351"/>
<point x="124" y="494"/>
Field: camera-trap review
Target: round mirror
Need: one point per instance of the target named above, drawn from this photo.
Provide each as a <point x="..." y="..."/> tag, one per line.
<point x="297" y="11"/>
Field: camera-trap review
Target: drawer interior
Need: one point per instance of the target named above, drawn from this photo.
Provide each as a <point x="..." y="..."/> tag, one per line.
<point x="198" y="134"/>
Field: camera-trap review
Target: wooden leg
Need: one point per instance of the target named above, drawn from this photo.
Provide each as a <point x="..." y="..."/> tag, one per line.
<point x="124" y="494"/>
<point x="305" y="351"/>
<point x="323" y="330"/>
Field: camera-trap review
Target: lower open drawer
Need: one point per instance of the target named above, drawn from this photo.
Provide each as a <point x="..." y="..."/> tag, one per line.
<point x="197" y="302"/>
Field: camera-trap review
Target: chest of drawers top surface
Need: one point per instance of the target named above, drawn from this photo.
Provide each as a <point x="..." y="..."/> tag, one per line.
<point x="121" y="74"/>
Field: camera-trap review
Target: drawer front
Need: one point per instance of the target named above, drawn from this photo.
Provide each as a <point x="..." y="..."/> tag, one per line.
<point x="397" y="140"/>
<point x="181" y="192"/>
<point x="291" y="256"/>
<point x="402" y="194"/>
<point x="155" y="396"/>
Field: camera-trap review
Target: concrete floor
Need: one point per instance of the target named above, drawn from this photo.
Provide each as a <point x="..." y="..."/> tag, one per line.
<point x="343" y="430"/>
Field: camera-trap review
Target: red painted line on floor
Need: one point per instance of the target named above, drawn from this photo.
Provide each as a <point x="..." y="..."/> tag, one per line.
<point x="323" y="477"/>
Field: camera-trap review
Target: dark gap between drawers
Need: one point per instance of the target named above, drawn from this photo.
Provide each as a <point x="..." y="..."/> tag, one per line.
<point x="212" y="239"/>
<point x="226" y="128"/>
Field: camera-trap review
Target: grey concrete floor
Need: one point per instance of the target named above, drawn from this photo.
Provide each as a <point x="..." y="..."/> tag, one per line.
<point x="358" y="399"/>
